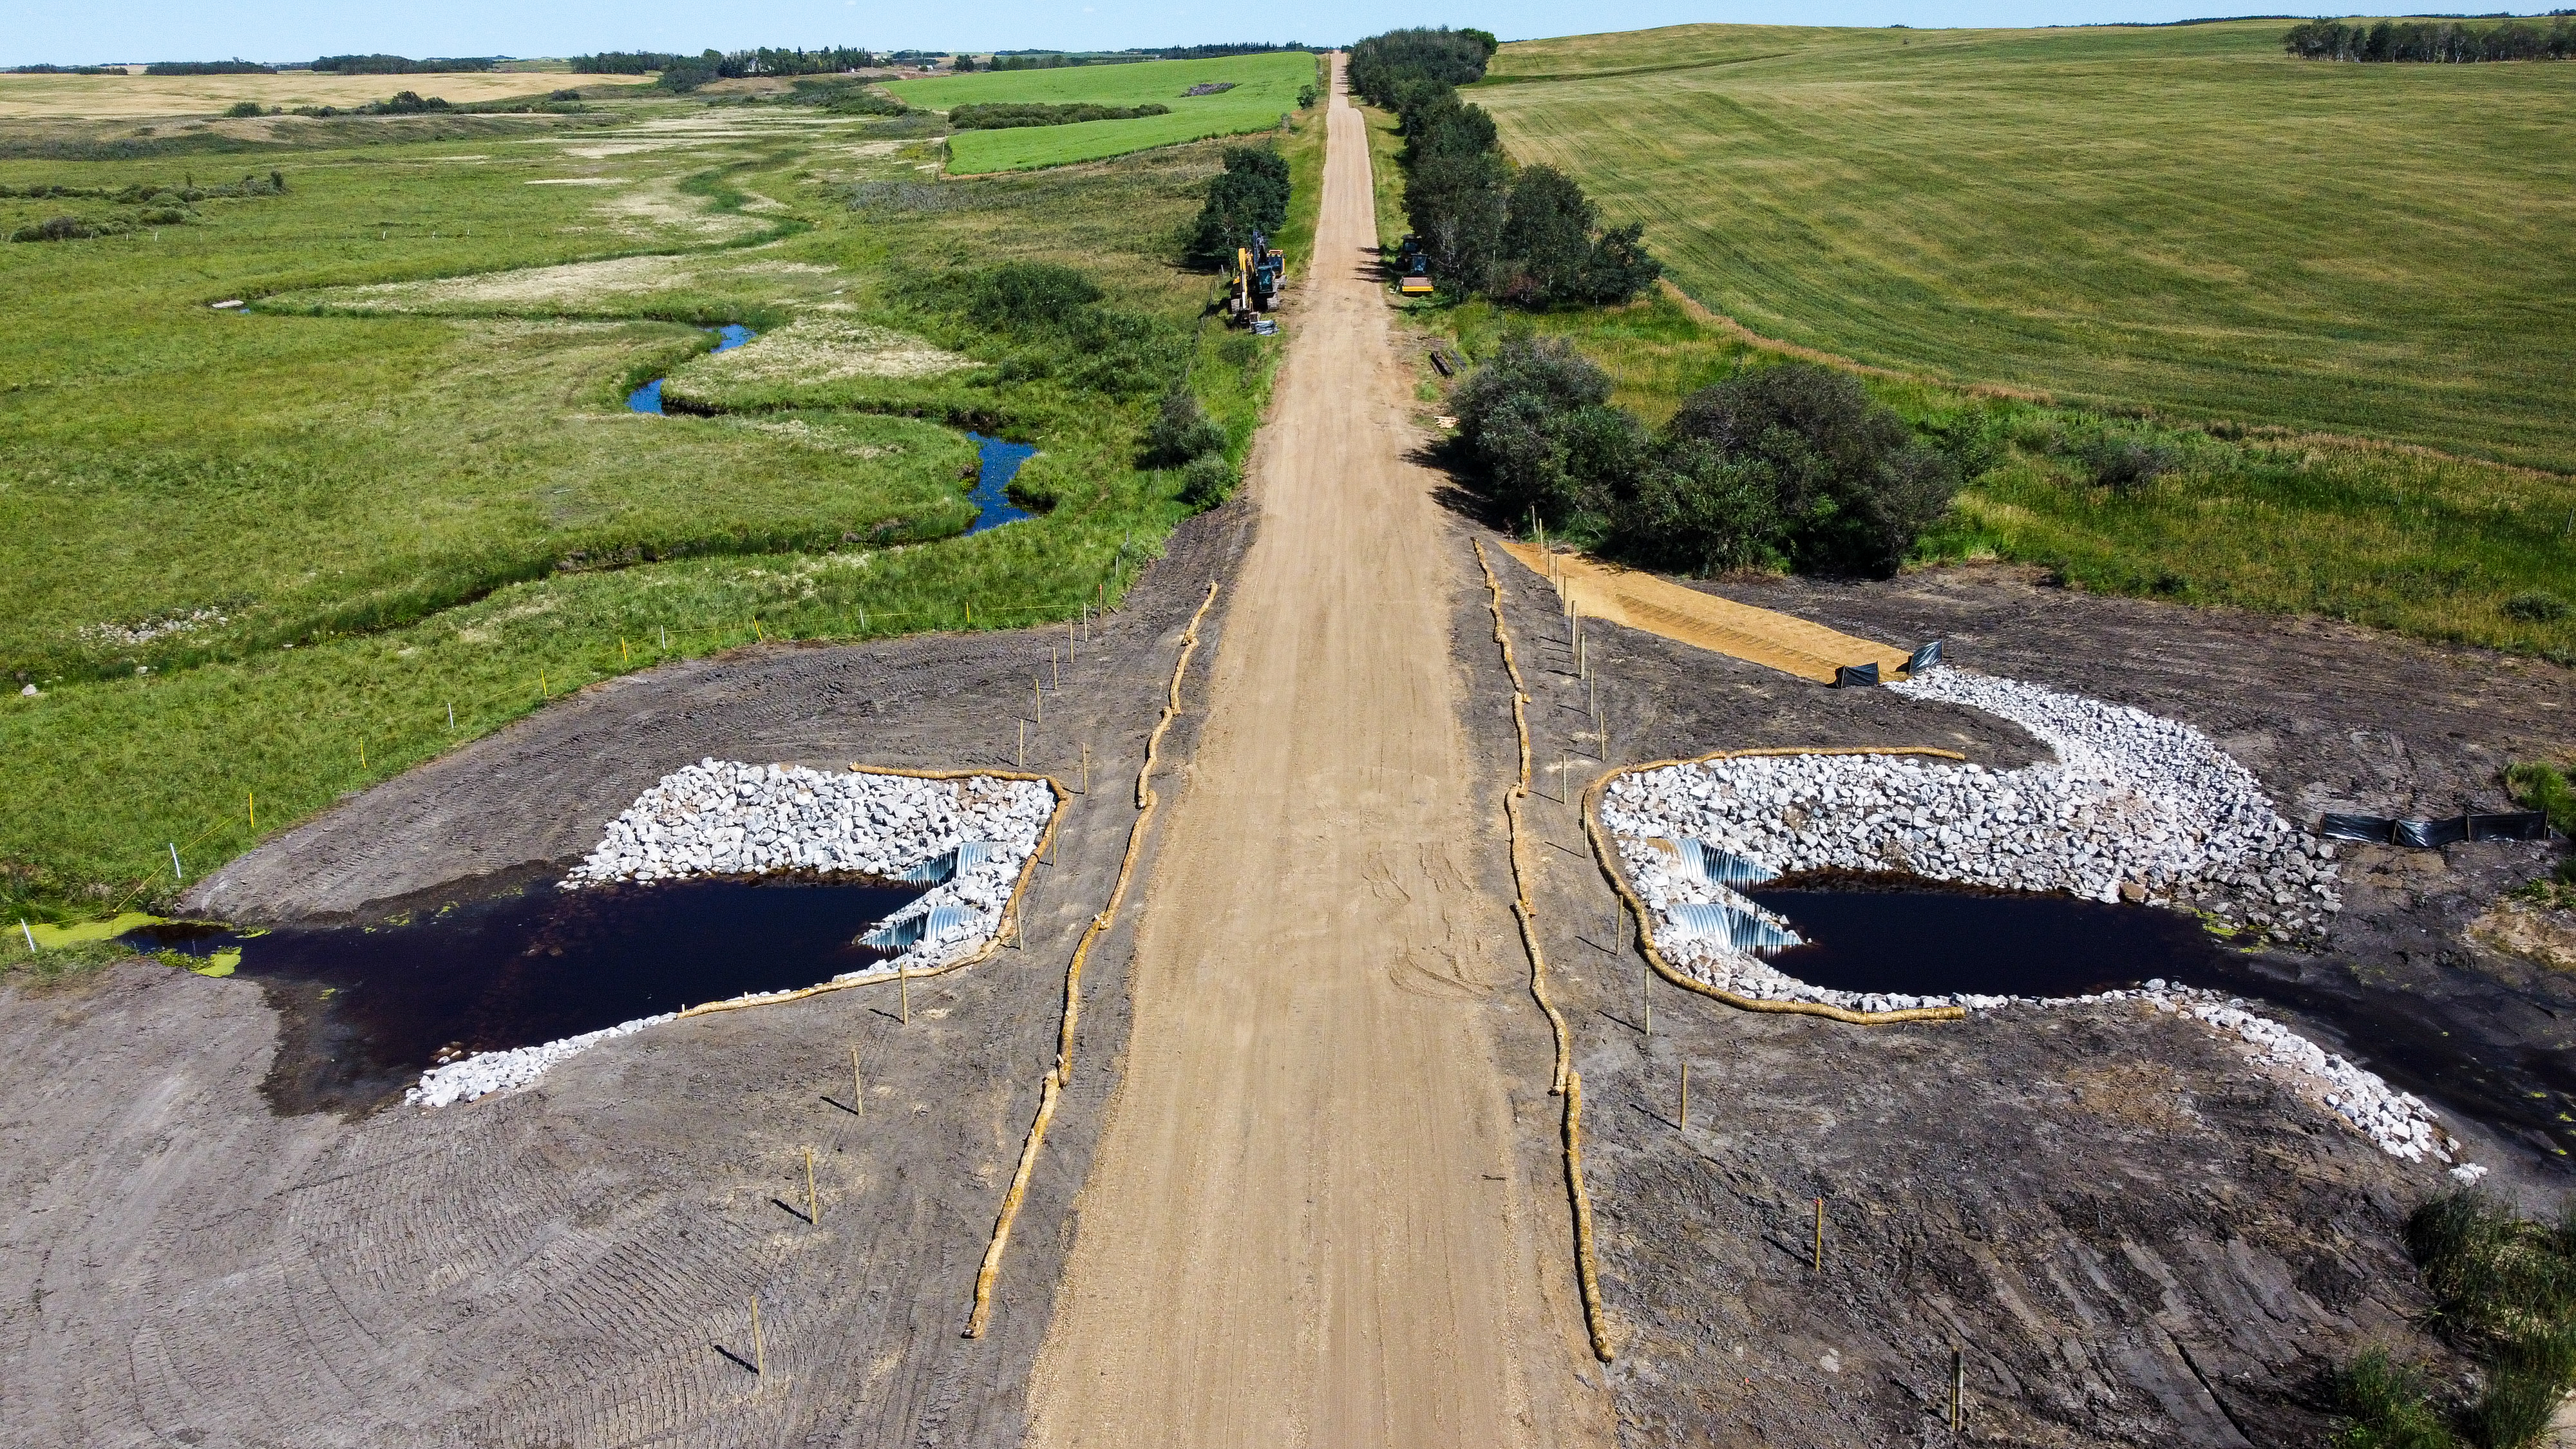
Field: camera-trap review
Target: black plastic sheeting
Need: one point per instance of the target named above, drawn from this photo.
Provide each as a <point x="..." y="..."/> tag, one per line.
<point x="2434" y="834"/>
<point x="1850" y="676"/>
<point x="1924" y="658"/>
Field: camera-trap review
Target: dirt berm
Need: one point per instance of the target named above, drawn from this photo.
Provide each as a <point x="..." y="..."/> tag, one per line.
<point x="574" y="1264"/>
<point x="2130" y="1234"/>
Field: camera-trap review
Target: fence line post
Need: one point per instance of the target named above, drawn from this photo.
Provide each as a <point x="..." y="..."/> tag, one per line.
<point x="858" y="1092"/>
<point x="174" y="861"/>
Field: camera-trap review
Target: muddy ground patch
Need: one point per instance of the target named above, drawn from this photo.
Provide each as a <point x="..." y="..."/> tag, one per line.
<point x="575" y="1262"/>
<point x="2130" y="1234"/>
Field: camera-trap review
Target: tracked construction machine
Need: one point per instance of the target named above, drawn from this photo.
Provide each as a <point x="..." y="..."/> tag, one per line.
<point x="1260" y="272"/>
<point x="1413" y="269"/>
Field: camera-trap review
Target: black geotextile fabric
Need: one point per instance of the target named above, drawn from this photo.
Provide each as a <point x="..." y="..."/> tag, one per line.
<point x="2433" y="834"/>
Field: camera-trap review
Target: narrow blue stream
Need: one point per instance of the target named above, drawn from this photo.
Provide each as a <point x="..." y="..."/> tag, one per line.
<point x="648" y="398"/>
<point x="1001" y="463"/>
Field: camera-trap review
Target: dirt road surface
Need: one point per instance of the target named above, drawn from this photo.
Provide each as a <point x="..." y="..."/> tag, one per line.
<point x="1311" y="1221"/>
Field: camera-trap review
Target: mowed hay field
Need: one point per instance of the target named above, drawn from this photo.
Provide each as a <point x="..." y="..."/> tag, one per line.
<point x="2181" y="219"/>
<point x="129" y="97"/>
<point x="1265" y="87"/>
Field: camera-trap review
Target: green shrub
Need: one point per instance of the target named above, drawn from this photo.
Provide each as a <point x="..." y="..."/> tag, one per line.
<point x="2504" y="1291"/>
<point x="2544" y="787"/>
<point x="242" y="110"/>
<point x="1250" y="195"/>
<point x="2125" y="464"/>
<point x="1535" y="421"/>
<point x="1181" y="431"/>
<point x="55" y="228"/>
<point x="2388" y="1407"/>
<point x="1030" y="295"/>
<point x="1208" y="481"/>
<point x="2535" y="607"/>
<point x="1852" y="485"/>
<point x="1012" y="115"/>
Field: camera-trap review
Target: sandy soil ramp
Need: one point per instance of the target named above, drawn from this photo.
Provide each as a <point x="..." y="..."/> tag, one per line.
<point x="1767" y="637"/>
<point x="1308" y="1224"/>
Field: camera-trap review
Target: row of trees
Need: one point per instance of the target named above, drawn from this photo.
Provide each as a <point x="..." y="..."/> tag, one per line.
<point x="235" y="66"/>
<point x="402" y="65"/>
<point x="712" y="65"/>
<point x="1789" y="466"/>
<point x="1386" y="69"/>
<point x="2440" y="41"/>
<point x="1249" y="195"/>
<point x="1529" y="236"/>
<point x="1011" y="115"/>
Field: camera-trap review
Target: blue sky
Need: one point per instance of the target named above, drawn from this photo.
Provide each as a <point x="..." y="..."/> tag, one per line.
<point x="130" y="30"/>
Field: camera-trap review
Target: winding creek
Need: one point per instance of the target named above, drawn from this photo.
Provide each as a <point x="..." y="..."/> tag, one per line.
<point x="999" y="461"/>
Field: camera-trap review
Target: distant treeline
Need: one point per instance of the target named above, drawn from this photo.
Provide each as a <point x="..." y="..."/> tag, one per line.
<point x="1054" y="59"/>
<point x="208" y="67"/>
<point x="64" y="70"/>
<point x="1007" y="115"/>
<point x="1529" y="237"/>
<point x="2431" y="40"/>
<point x="731" y="64"/>
<point x="400" y="65"/>
<point x="1385" y="69"/>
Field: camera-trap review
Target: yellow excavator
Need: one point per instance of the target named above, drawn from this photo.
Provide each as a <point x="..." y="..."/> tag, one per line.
<point x="1260" y="271"/>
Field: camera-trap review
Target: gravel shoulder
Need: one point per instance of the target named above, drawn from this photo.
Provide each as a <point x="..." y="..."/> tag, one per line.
<point x="574" y="1263"/>
<point x="2129" y="1231"/>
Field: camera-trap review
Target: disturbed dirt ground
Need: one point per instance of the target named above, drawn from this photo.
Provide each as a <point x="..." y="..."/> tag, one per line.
<point x="574" y="1264"/>
<point x="2129" y="1233"/>
<point x="2126" y="1232"/>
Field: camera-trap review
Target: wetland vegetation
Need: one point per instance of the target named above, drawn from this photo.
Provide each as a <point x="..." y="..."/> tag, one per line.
<point x="256" y="556"/>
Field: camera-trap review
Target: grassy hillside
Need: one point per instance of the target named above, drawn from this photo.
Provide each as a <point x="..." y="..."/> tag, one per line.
<point x="1265" y="86"/>
<point x="2274" y="519"/>
<point x="2181" y="219"/>
<point x="268" y="551"/>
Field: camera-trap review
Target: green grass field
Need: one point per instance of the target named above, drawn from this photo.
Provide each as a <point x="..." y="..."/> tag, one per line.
<point x="2274" y="519"/>
<point x="406" y="480"/>
<point x="2180" y="219"/>
<point x="1265" y="87"/>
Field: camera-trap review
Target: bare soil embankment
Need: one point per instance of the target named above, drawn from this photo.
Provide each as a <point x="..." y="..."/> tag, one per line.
<point x="574" y="1263"/>
<point x="2133" y="1235"/>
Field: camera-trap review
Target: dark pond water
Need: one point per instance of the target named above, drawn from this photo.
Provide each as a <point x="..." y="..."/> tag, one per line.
<point x="1937" y="942"/>
<point x="1001" y="463"/>
<point x="648" y="398"/>
<point x="369" y="1008"/>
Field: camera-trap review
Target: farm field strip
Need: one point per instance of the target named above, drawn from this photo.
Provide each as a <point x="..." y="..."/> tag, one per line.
<point x="1264" y="88"/>
<point x="118" y="97"/>
<point x="2178" y="218"/>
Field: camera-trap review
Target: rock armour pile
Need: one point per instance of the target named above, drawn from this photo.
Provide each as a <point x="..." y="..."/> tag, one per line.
<point x="2133" y="807"/>
<point x="717" y="817"/>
